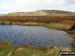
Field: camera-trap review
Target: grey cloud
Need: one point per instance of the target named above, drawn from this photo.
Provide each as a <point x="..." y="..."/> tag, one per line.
<point x="27" y="5"/>
<point x="70" y="1"/>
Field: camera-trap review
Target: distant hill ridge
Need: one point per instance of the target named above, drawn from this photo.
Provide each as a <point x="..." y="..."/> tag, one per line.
<point x="39" y="13"/>
<point x="55" y="11"/>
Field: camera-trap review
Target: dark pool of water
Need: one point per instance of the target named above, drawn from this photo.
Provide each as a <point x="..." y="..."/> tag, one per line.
<point x="34" y="36"/>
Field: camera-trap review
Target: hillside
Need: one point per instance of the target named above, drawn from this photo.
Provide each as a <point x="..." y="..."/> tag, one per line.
<point x="41" y="13"/>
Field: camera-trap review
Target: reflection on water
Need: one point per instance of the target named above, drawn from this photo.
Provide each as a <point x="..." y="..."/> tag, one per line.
<point x="34" y="36"/>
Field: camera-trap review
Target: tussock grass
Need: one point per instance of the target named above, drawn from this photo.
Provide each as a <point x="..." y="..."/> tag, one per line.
<point x="7" y="49"/>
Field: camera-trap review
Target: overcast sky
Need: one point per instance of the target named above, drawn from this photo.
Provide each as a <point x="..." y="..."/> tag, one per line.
<point x="7" y="6"/>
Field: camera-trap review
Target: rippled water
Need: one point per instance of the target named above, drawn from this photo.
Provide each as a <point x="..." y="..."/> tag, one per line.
<point x="34" y="36"/>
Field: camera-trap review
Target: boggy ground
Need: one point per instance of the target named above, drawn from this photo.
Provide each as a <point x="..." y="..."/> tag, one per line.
<point x="55" y="22"/>
<point x="65" y="23"/>
<point x="59" y="22"/>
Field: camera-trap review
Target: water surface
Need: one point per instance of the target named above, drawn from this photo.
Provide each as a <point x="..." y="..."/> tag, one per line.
<point x="34" y="36"/>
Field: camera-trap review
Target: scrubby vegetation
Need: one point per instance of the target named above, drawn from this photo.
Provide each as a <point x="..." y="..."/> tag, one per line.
<point x="56" y="22"/>
<point x="42" y="19"/>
